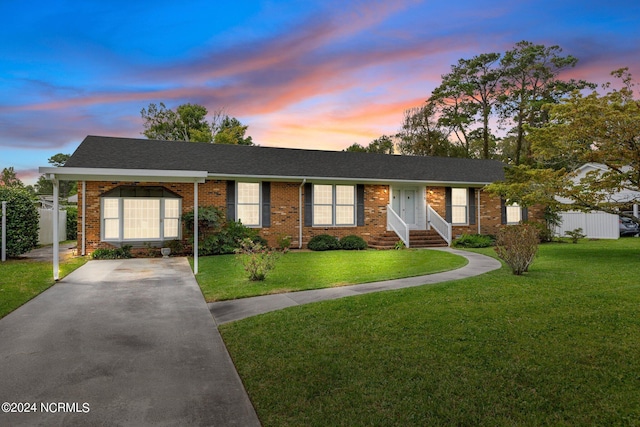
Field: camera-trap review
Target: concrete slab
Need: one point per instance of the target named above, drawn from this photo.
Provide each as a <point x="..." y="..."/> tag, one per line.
<point x="229" y="311"/>
<point x="123" y="342"/>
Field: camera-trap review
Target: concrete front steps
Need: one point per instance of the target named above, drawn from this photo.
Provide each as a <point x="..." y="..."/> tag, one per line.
<point x="417" y="239"/>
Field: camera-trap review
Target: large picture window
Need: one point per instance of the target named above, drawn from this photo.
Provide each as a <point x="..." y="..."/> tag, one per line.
<point x="334" y="205"/>
<point x="140" y="218"/>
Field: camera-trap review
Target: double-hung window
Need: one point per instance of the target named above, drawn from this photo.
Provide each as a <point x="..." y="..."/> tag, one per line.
<point x="248" y="207"/>
<point x="514" y="213"/>
<point x="334" y="205"/>
<point x="459" y="206"/>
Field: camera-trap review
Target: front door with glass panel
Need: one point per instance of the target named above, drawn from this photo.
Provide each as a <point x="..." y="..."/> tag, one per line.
<point x="404" y="204"/>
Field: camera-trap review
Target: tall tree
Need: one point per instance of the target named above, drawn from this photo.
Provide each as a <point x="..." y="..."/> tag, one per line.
<point x="9" y="178"/>
<point x="584" y="128"/>
<point x="422" y="135"/>
<point x="530" y="80"/>
<point x="467" y="95"/>
<point x="187" y="123"/>
<point x="381" y="145"/>
<point x="231" y="131"/>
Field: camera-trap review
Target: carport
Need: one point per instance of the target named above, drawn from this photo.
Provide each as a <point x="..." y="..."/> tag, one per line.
<point x="82" y="175"/>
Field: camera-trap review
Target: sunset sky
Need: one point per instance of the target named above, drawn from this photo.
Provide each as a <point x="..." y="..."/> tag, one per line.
<point x="304" y="74"/>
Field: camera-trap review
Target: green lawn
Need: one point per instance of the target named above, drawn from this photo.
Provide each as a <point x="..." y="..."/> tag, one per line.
<point x="559" y="346"/>
<point x="222" y="277"/>
<point x="21" y="280"/>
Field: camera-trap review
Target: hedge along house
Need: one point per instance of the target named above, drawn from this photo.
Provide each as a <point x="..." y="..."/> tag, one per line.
<point x="135" y="191"/>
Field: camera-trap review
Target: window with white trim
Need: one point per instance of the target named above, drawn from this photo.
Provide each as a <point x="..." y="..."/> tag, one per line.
<point x="140" y="218"/>
<point x="248" y="204"/>
<point x="514" y="213"/>
<point x="334" y="205"/>
<point x="459" y="206"/>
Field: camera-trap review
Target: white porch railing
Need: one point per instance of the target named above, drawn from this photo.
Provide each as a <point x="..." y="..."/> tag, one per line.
<point x="439" y="224"/>
<point x="395" y="223"/>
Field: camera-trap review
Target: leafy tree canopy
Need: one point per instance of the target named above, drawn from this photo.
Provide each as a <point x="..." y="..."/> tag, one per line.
<point x="9" y="179"/>
<point x="600" y="128"/>
<point x="382" y="145"/>
<point x="189" y="123"/>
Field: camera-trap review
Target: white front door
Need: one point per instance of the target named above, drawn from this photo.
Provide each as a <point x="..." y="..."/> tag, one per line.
<point x="404" y="204"/>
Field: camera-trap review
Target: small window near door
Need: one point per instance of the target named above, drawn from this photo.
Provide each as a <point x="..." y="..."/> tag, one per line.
<point x="459" y="206"/>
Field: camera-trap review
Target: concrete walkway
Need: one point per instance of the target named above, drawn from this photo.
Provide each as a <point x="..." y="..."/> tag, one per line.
<point x="120" y="343"/>
<point x="229" y="311"/>
<point x="45" y="253"/>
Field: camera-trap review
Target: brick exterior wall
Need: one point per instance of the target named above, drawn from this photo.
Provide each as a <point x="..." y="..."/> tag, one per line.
<point x="285" y="216"/>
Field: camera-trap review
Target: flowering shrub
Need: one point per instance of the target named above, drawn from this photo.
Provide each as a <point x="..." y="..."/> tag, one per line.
<point x="517" y="245"/>
<point x="257" y="259"/>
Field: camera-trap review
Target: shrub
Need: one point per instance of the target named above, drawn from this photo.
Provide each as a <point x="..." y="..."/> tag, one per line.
<point x="323" y="242"/>
<point x="22" y="221"/>
<point x="517" y="246"/>
<point x="353" y="243"/>
<point x="72" y="222"/>
<point x="257" y="259"/>
<point x="399" y="245"/>
<point x="474" y="241"/>
<point x="575" y="235"/>
<point x="176" y="246"/>
<point x="284" y="242"/>
<point x="228" y="239"/>
<point x="210" y="220"/>
<point x="117" y="253"/>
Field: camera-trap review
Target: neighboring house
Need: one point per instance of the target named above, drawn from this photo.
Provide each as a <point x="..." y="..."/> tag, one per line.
<point x="135" y="191"/>
<point x="596" y="224"/>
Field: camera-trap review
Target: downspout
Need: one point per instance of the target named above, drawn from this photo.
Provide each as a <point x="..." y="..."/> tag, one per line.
<point x="478" y="211"/>
<point x="195" y="227"/>
<point x="300" y="210"/>
<point x="84" y="215"/>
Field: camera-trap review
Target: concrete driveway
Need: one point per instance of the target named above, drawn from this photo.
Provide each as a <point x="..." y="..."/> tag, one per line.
<point x="120" y="343"/>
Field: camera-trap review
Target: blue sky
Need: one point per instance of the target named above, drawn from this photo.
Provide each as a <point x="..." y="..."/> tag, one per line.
<point x="306" y="74"/>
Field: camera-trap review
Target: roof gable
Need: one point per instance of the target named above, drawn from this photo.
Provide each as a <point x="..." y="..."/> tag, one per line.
<point x="265" y="162"/>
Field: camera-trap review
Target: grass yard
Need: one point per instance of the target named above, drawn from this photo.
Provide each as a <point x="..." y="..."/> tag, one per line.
<point x="559" y="346"/>
<point x="223" y="277"/>
<point x="21" y="280"/>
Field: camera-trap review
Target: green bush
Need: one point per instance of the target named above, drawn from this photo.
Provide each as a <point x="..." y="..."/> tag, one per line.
<point x="117" y="253"/>
<point x="474" y="241"/>
<point x="517" y="245"/>
<point x="72" y="222"/>
<point x="324" y="242"/>
<point x="22" y="221"/>
<point x="257" y="260"/>
<point x="353" y="243"/>
<point x="210" y="220"/>
<point x="228" y="239"/>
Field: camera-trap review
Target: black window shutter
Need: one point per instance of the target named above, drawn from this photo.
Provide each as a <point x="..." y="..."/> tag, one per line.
<point x="525" y="214"/>
<point x="473" y="213"/>
<point x="266" y="204"/>
<point x="503" y="211"/>
<point x="308" y="206"/>
<point x="447" y="204"/>
<point x="360" y="205"/>
<point x="231" y="200"/>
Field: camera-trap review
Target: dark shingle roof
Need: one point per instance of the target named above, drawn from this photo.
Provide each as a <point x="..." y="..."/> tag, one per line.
<point x="234" y="160"/>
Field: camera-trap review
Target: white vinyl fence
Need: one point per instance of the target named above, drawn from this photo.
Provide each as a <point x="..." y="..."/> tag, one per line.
<point x="595" y="225"/>
<point x="45" y="234"/>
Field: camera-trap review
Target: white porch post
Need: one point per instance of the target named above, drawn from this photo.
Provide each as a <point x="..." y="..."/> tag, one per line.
<point x="84" y="214"/>
<point x="635" y="211"/>
<point x="56" y="220"/>
<point x="195" y="227"/>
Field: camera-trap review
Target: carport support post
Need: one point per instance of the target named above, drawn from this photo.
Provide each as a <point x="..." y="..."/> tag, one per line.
<point x="56" y="220"/>
<point x="195" y="227"/>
